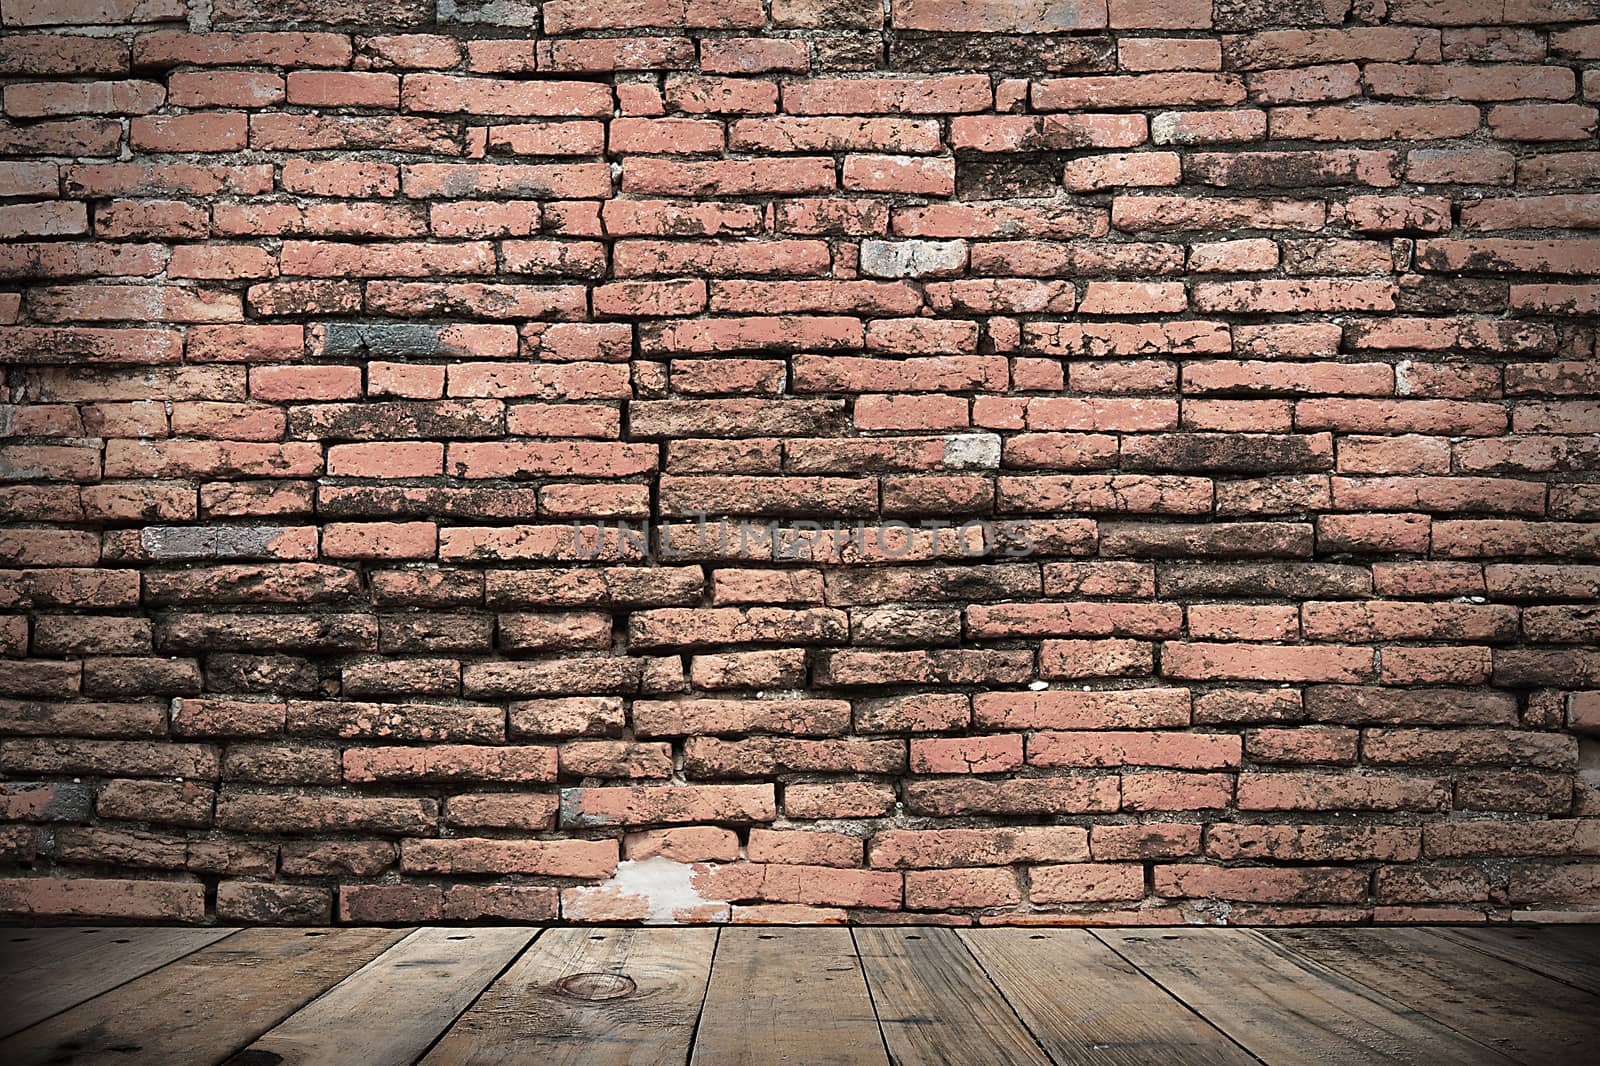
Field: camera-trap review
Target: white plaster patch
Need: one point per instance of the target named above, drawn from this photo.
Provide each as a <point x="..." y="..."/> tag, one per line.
<point x="969" y="451"/>
<point x="493" y="12"/>
<point x="666" y="886"/>
<point x="912" y="259"/>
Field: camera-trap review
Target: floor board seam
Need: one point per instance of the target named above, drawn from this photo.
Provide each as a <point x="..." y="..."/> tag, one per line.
<point x="515" y="958"/>
<point x="699" y="1016"/>
<point x="987" y="976"/>
<point x="1229" y="1037"/>
<point x="120" y="984"/>
<point x="872" y="999"/>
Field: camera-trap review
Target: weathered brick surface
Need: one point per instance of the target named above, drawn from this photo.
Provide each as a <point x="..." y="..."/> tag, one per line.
<point x="1074" y="461"/>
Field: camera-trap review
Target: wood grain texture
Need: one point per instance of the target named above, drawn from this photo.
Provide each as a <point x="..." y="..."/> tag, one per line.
<point x="936" y="1005"/>
<point x="830" y="996"/>
<point x="589" y="997"/>
<point x="46" y="971"/>
<point x="405" y="999"/>
<point x="1530" y="1018"/>
<point x="204" y="1006"/>
<point x="787" y="995"/>
<point x="1288" y="1010"/>
<point x="1567" y="953"/>
<point x="1087" y="1005"/>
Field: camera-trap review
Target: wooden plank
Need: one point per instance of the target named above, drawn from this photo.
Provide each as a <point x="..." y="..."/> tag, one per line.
<point x="392" y="1009"/>
<point x="46" y="971"/>
<point x="204" y="1006"/>
<point x="1088" y="1005"/>
<point x="788" y="995"/>
<point x="589" y="997"/>
<point x="1570" y="954"/>
<point x="1528" y="1017"/>
<point x="1285" y="1009"/>
<point x="934" y="1003"/>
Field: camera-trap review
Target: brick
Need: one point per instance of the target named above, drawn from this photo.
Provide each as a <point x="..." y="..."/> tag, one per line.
<point x="941" y="848"/>
<point x="900" y="174"/>
<point x="591" y="55"/>
<point x="937" y="889"/>
<point x="491" y="96"/>
<point x="1303" y="885"/>
<point x="567" y="15"/>
<point x="1168" y="53"/>
<point x="647" y="804"/>
<point x="390" y="903"/>
<point x="1267" y="662"/>
<point x="997" y="16"/>
<point x="1057" y="795"/>
<point x="1093" y="173"/>
<point x="728" y="177"/>
<point x="699" y="716"/>
<point x="1143" y="90"/>
<point x="1318" y="791"/>
<point x="1086" y="882"/>
<point x="1188" y="751"/>
<point x="753" y="55"/>
<point x="106" y="899"/>
<point x="661" y="135"/>
<point x="916" y="96"/>
<point x="1155" y="840"/>
<point x="555" y="858"/>
<point x="343" y="89"/>
<point x="276" y="48"/>
<point x="1287" y="48"/>
<point x="1020" y="133"/>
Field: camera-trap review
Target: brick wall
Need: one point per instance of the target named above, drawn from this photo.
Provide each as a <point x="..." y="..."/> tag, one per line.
<point x="1166" y="436"/>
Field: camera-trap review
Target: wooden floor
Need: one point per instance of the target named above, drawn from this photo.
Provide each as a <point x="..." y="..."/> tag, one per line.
<point x="752" y="995"/>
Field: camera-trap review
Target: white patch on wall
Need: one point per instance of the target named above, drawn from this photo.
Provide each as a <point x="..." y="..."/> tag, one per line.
<point x="668" y="886"/>
<point x="972" y="451"/>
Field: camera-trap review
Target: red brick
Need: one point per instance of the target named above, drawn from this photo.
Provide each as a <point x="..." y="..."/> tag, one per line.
<point x="939" y="889"/>
<point x="1188" y="751"/>
<point x="343" y="89"/>
<point x="658" y="804"/>
<point x="752" y="55"/>
<point x="107" y="899"/>
<point x="975" y="755"/>
<point x="1267" y="662"/>
<point x="684" y="844"/>
<point x="367" y="904"/>
<point x="1303" y="885"/>
<point x="549" y="858"/>
<point x="1168" y="53"/>
<point x="411" y="50"/>
<point x="972" y="847"/>
<point x="1153" y="840"/>
<point x="491" y="96"/>
<point x="676" y="136"/>
<point x="727" y="177"/>
<point x="564" y="16"/>
<point x="1314" y="791"/>
<point x="379" y="540"/>
<point x="173" y="48"/>
<point x="803" y="848"/>
<point x="900" y="174"/>
<point x="218" y="132"/>
<point x="1142" y="90"/>
<point x="1084" y="882"/>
